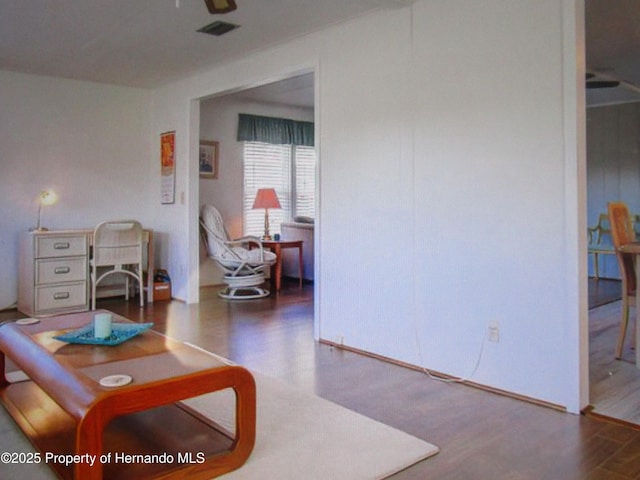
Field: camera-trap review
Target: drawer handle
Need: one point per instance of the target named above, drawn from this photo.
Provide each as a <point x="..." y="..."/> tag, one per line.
<point x="61" y="270"/>
<point x="61" y="295"/>
<point x="61" y="245"/>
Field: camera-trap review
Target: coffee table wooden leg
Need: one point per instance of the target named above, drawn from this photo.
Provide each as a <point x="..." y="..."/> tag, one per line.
<point x="89" y="446"/>
<point x="3" y="379"/>
<point x="89" y="433"/>
<point x="245" y="435"/>
<point x="245" y="414"/>
<point x="243" y="384"/>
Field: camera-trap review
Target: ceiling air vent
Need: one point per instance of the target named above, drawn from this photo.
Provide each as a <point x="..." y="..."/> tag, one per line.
<point x="218" y="28"/>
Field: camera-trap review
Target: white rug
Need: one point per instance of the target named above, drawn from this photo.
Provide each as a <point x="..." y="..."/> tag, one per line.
<point x="298" y="436"/>
<point x="13" y="441"/>
<point x="304" y="436"/>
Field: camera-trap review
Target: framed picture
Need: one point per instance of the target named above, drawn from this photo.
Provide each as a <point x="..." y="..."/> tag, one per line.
<point x="208" y="159"/>
<point x="168" y="167"/>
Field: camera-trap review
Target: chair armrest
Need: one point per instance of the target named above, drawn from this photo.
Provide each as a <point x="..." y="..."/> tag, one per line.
<point x="251" y="240"/>
<point x="248" y="239"/>
<point x="632" y="247"/>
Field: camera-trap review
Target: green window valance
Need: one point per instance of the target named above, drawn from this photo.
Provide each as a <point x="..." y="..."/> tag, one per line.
<point x="280" y="131"/>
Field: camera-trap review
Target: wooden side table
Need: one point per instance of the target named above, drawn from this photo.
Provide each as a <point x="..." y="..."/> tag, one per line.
<point x="276" y="269"/>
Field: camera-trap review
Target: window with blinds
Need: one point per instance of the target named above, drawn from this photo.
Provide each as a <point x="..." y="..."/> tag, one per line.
<point x="287" y="168"/>
<point x="305" y="181"/>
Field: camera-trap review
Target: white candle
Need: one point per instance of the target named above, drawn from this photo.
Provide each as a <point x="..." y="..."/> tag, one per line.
<point x="102" y="325"/>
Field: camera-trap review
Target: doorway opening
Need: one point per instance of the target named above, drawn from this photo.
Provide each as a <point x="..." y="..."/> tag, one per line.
<point x="613" y="174"/>
<point x="291" y="98"/>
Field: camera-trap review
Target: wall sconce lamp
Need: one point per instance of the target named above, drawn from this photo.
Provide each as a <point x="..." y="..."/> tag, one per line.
<point x="47" y="197"/>
<point x="266" y="198"/>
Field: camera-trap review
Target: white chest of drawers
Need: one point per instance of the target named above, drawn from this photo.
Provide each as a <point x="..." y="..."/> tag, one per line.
<point x="53" y="273"/>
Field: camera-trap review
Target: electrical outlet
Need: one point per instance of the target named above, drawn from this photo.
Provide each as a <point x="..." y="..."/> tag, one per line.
<point x="494" y="332"/>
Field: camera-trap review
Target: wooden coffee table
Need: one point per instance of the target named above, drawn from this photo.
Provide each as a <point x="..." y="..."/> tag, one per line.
<point x="64" y="410"/>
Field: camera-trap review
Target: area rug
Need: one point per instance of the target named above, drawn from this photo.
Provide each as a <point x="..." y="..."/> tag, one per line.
<point x="298" y="436"/>
<point x="304" y="436"/>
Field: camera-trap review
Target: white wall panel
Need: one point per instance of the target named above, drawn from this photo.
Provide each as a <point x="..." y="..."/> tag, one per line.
<point x="490" y="166"/>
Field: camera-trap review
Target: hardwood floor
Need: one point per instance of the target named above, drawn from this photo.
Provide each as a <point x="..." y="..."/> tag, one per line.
<point x="614" y="384"/>
<point x="481" y="435"/>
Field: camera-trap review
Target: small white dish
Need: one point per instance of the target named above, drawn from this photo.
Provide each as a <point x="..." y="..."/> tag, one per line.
<point x="116" y="380"/>
<point x="27" y="321"/>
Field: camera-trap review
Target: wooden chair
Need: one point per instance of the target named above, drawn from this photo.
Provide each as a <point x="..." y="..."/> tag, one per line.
<point x="622" y="232"/>
<point x="117" y="248"/>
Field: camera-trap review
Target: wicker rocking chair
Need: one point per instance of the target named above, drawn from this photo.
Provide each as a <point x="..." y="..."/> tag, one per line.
<point x="244" y="268"/>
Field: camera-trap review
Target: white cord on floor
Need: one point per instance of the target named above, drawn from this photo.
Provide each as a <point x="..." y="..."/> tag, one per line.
<point x="454" y="380"/>
<point x="435" y="377"/>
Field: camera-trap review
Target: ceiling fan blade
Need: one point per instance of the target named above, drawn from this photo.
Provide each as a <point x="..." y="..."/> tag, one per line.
<point x="220" y="6"/>
<point x="602" y="84"/>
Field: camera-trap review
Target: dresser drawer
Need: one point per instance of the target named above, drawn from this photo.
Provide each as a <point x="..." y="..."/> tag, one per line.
<point x="61" y="246"/>
<point x="57" y="270"/>
<point x="60" y="297"/>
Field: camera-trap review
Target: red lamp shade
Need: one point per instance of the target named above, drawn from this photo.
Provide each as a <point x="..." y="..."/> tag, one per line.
<point x="266" y="198"/>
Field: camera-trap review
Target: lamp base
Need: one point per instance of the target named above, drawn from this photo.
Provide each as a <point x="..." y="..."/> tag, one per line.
<point x="267" y="237"/>
<point x="38" y="229"/>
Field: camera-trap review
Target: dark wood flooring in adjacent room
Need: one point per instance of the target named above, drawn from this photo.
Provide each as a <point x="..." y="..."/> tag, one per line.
<point x="481" y="435"/>
<point x="603" y="291"/>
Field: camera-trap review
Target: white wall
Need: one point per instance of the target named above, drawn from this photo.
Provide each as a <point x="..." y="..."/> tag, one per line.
<point x="219" y="122"/>
<point x="491" y="182"/>
<point x="88" y="142"/>
<point x="451" y="182"/>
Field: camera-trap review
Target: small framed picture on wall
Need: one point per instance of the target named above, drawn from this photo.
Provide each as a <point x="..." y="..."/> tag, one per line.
<point x="208" y="159"/>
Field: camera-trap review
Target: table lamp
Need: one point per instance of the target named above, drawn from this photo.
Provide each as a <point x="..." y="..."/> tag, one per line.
<point x="47" y="197"/>
<point x="266" y="198"/>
